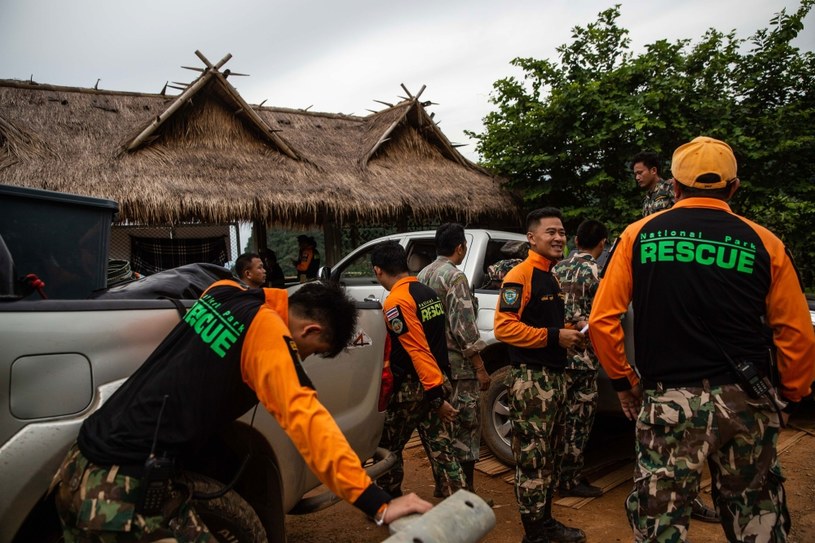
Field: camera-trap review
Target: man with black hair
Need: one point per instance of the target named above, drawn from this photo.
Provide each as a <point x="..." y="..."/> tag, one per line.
<point x="250" y="270"/>
<point x="234" y="348"/>
<point x="705" y="285"/>
<point x="468" y="375"/>
<point x="529" y="318"/>
<point x="274" y="273"/>
<point x="659" y="193"/>
<point x="579" y="277"/>
<point x="419" y="363"/>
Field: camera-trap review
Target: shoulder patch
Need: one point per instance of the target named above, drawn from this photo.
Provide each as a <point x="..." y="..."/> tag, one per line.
<point x="396" y="322"/>
<point x="302" y="376"/>
<point x="511" y="295"/>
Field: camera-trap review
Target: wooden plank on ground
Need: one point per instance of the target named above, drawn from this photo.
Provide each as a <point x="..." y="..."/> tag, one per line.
<point x="414" y="441"/>
<point x="488" y="464"/>
<point x="810" y="431"/>
<point x="491" y="466"/>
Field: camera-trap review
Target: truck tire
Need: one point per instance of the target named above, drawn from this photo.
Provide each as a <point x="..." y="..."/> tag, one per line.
<point x="495" y="426"/>
<point x="229" y="518"/>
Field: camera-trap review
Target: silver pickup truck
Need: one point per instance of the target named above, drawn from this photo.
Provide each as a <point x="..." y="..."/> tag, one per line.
<point x="484" y="247"/>
<point x="61" y="359"/>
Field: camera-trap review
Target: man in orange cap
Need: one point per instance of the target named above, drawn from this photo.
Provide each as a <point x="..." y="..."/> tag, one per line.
<point x="706" y="284"/>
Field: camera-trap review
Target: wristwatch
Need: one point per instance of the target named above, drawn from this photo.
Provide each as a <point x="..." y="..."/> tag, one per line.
<point x="436" y="403"/>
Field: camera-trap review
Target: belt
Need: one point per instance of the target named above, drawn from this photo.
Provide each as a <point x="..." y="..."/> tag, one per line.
<point x="540" y="365"/>
<point x="135" y="471"/>
<point x="716" y="380"/>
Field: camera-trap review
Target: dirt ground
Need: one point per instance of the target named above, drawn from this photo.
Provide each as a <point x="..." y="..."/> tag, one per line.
<point x="602" y="519"/>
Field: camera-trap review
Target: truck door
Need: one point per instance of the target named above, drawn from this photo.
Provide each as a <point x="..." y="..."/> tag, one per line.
<point x="356" y="275"/>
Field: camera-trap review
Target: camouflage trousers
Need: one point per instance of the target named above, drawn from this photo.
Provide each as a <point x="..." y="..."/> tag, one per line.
<point x="537" y="398"/>
<point x="97" y="505"/>
<point x="465" y="432"/>
<point x="678" y="430"/>
<point x="578" y="419"/>
<point x="407" y="411"/>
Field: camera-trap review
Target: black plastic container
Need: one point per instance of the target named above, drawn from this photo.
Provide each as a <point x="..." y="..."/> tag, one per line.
<point x="61" y="238"/>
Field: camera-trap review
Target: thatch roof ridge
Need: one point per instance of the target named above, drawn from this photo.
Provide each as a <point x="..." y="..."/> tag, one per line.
<point x="309" y="113"/>
<point x="33" y="85"/>
<point x="207" y="167"/>
<point x="208" y="77"/>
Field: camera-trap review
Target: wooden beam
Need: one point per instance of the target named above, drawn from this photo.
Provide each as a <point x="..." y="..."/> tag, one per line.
<point x="332" y="235"/>
<point x="406" y="91"/>
<point x="259" y="239"/>
<point x="223" y="61"/>
<point x="204" y="59"/>
<point x="179" y="101"/>
<point x="420" y="91"/>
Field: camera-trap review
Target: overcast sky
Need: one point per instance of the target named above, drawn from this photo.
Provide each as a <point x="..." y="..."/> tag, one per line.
<point x="336" y="56"/>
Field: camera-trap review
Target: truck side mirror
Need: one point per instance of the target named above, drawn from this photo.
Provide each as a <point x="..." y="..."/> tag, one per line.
<point x="10" y="288"/>
<point x="324" y="273"/>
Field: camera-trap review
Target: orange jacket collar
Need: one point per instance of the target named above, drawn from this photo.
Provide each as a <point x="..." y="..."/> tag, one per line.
<point x="713" y="203"/>
<point x="540" y="262"/>
<point x="408" y="279"/>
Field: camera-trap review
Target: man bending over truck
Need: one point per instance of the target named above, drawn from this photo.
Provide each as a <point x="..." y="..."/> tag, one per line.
<point x="235" y="347"/>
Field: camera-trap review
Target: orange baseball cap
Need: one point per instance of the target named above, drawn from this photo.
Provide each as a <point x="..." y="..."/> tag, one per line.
<point x="704" y="155"/>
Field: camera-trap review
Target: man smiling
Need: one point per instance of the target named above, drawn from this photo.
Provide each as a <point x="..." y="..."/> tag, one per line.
<point x="529" y="318"/>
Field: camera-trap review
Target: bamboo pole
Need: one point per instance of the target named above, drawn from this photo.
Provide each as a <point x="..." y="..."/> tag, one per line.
<point x="182" y="98"/>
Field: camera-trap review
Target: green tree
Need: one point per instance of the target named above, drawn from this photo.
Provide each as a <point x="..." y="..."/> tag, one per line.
<point x="563" y="133"/>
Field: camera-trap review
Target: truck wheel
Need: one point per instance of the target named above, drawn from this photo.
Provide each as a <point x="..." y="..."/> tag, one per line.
<point x="229" y="518"/>
<point x="495" y="427"/>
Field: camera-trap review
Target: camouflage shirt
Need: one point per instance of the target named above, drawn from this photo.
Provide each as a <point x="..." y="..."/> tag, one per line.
<point x="579" y="278"/>
<point x="658" y="197"/>
<point x="460" y="307"/>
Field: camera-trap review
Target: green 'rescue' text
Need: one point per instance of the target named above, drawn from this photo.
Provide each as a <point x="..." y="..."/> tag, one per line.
<point x="218" y="331"/>
<point x="730" y="254"/>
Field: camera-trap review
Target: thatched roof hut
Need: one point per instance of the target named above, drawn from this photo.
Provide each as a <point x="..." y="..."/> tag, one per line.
<point x="207" y="156"/>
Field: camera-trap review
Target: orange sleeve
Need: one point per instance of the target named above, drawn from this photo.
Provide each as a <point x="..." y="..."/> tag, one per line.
<point x="507" y="324"/>
<point x="270" y="365"/>
<point x="610" y="303"/>
<point x="415" y="342"/>
<point x="788" y="317"/>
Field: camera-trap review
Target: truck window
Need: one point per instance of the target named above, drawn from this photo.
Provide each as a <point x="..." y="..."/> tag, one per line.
<point x="358" y="270"/>
<point x="420" y="253"/>
<point x="500" y="256"/>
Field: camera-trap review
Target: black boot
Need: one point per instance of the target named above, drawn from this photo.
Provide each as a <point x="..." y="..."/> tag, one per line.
<point x="437" y="491"/>
<point x="582" y="489"/>
<point x="533" y="531"/>
<point x="469" y="473"/>
<point x="700" y="511"/>
<point x="558" y="532"/>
